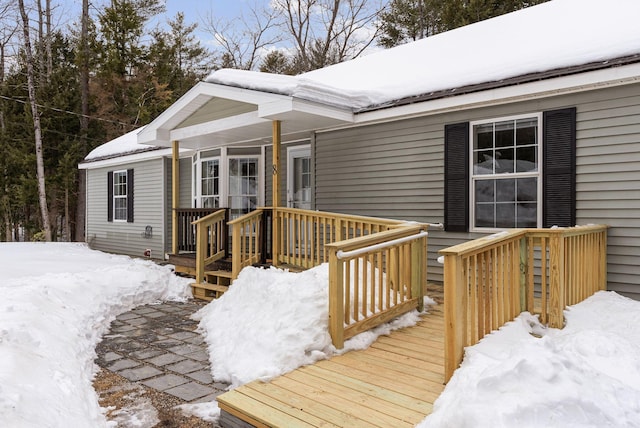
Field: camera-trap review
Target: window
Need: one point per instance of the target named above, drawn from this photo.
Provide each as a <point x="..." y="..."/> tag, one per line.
<point x="120" y="195"/>
<point x="505" y="174"/>
<point x="511" y="172"/>
<point x="210" y="184"/>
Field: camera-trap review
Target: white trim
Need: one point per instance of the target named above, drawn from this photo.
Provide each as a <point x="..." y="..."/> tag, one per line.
<point x="534" y="174"/>
<point x="114" y="196"/>
<point x="136" y="157"/>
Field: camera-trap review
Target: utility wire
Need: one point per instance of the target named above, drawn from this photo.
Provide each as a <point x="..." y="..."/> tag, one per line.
<point x="59" y="110"/>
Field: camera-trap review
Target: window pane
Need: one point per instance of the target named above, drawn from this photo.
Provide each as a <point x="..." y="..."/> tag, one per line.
<point x="484" y="215"/>
<point x="483" y="163"/>
<point x="527" y="159"/>
<point x="504" y="161"/>
<point x="505" y="215"/>
<point x="485" y="191"/>
<point x="527" y="189"/>
<point x="526" y="131"/>
<point x="120" y="209"/>
<point x="483" y="136"/>
<point x="505" y="134"/>
<point x="505" y="190"/>
<point x="527" y="215"/>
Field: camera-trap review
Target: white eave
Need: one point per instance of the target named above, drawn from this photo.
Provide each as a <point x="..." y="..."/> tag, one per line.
<point x="299" y="118"/>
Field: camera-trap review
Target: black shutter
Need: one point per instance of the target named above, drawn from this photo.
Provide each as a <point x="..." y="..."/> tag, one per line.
<point x="559" y="168"/>
<point x="456" y="177"/>
<point x="129" y="196"/>
<point x="110" y="196"/>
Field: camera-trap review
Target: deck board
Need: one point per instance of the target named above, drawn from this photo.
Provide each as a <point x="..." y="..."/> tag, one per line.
<point x="392" y="383"/>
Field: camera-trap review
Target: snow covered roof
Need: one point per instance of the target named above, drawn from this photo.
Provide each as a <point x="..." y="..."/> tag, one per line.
<point x="556" y="35"/>
<point x="126" y="144"/>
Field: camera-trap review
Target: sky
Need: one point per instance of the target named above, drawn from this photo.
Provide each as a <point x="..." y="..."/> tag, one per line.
<point x="271" y="321"/>
<point x="194" y="10"/>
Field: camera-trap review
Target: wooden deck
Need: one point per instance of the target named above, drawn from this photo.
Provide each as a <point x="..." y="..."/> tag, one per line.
<point x="393" y="383"/>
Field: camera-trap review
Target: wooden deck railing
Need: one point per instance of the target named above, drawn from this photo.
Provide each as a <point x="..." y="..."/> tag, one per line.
<point x="186" y="228"/>
<point x="301" y="236"/>
<point x="490" y="280"/>
<point x="375" y="278"/>
<point x="211" y="235"/>
<point x="247" y="240"/>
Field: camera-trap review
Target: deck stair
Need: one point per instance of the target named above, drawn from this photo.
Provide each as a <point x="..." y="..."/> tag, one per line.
<point x="217" y="277"/>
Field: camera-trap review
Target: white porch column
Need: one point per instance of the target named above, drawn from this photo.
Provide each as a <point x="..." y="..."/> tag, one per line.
<point x="175" y="194"/>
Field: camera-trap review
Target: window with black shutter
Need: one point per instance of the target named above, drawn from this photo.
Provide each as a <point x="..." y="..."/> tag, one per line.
<point x="511" y="172"/>
<point x="120" y="195"/>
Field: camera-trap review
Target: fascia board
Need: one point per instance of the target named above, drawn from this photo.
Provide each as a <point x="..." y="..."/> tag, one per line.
<point x="234" y="122"/>
<point x="274" y="110"/>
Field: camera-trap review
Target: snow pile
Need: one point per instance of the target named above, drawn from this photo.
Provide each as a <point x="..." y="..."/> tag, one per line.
<point x="557" y="34"/>
<point x="585" y="375"/>
<point x="273" y="321"/>
<point x="57" y="302"/>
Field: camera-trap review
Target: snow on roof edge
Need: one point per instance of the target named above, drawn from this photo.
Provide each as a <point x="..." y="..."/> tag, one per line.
<point x="537" y="39"/>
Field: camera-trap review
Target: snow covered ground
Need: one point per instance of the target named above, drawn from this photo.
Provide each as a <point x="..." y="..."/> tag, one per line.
<point x="58" y="300"/>
<point x="585" y="375"/>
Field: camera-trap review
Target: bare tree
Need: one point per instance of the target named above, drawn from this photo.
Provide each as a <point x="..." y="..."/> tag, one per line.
<point x="81" y="201"/>
<point x="326" y="32"/>
<point x="243" y="40"/>
<point x="42" y="194"/>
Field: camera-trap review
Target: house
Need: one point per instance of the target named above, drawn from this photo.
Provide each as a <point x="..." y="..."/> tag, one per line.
<point x="525" y="120"/>
<point x="120" y="172"/>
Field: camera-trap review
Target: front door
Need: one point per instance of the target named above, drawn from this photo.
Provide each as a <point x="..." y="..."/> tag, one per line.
<point x="243" y="185"/>
<point x="299" y="177"/>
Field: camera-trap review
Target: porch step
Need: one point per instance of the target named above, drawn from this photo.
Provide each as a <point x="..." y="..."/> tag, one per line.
<point x="207" y="291"/>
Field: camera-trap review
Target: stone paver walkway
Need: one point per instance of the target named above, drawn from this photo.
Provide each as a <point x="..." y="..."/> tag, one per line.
<point x="156" y="345"/>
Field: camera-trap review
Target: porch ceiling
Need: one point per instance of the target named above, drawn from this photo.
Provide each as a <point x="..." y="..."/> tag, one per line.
<point x="211" y="115"/>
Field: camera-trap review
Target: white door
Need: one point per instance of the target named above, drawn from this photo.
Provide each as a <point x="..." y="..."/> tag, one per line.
<point x="243" y="185"/>
<point x="299" y="177"/>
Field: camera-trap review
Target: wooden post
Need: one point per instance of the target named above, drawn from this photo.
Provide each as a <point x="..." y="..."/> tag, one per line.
<point x="275" y="167"/>
<point x="275" y="187"/>
<point x="556" y="281"/>
<point x="524" y="257"/>
<point x="336" y="299"/>
<point x="201" y="250"/>
<point x="236" y="249"/>
<point x="418" y="265"/>
<point x="175" y="194"/>
<point x="455" y="314"/>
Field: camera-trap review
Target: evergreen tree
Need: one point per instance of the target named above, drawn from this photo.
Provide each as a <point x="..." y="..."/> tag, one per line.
<point x="409" y="20"/>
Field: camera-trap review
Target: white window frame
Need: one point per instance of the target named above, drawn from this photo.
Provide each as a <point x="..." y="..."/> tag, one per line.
<point x="259" y="176"/>
<point x="118" y="197"/>
<point x="292" y="153"/>
<point x="531" y="174"/>
<point x="223" y="170"/>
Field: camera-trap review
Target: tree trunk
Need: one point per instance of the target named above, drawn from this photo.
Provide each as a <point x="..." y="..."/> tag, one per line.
<point x="81" y="201"/>
<point x="42" y="194"/>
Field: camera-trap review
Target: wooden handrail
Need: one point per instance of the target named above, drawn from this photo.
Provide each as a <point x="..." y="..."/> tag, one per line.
<point x="377" y="278"/>
<point x="211" y="236"/>
<point x="490" y="280"/>
<point x="246" y="236"/>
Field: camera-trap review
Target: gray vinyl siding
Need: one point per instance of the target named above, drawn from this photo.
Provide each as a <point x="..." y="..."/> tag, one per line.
<point x="395" y="170"/>
<point x="148" y="199"/>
